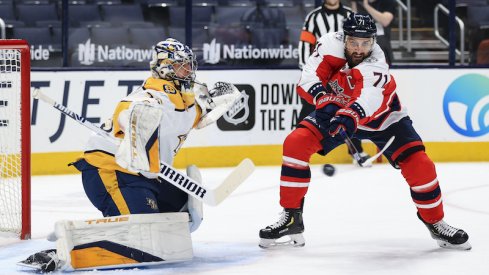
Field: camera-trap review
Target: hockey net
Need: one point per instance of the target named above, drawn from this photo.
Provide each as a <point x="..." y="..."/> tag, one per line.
<point x="15" y="139"/>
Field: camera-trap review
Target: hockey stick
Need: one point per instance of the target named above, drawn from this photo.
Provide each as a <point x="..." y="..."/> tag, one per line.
<point x="167" y="172"/>
<point x="356" y="154"/>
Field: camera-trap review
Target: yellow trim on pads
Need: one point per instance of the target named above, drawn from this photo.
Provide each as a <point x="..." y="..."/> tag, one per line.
<point x="225" y="156"/>
<point x="96" y="256"/>
<point x="109" y="179"/>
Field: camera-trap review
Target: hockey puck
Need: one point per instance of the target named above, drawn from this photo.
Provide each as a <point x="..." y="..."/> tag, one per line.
<point x="329" y="170"/>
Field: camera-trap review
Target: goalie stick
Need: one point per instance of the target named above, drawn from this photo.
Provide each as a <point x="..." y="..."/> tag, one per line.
<point x="167" y="172"/>
<point x="356" y="154"/>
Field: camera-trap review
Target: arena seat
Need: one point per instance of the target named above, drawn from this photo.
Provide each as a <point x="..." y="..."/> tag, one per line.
<point x="205" y="3"/>
<point x="478" y="16"/>
<point x="7" y="12"/>
<point x="34" y="36"/>
<point x="230" y="15"/>
<point x="157" y="3"/>
<point x="280" y="3"/>
<point x="79" y="14"/>
<point x="116" y="14"/>
<point x="110" y="36"/>
<point x="293" y="15"/>
<point x="30" y="14"/>
<point x="146" y="37"/>
<point x="200" y="35"/>
<point x="106" y="2"/>
<point x="201" y="16"/>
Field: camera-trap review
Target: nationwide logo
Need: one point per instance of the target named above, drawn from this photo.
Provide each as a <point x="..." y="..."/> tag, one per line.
<point x="89" y="53"/>
<point x="466" y="105"/>
<point x="214" y="52"/>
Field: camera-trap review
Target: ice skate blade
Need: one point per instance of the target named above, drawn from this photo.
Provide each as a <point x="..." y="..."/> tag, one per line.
<point x="463" y="246"/>
<point x="296" y="240"/>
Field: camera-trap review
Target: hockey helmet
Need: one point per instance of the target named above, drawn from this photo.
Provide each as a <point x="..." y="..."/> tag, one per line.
<point x="360" y="25"/>
<point x="170" y="57"/>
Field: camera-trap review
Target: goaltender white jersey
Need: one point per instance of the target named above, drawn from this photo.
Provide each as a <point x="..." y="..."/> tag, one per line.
<point x="369" y="84"/>
<point x="180" y="115"/>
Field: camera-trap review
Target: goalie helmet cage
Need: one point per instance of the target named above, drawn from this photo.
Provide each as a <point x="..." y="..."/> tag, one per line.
<point x="15" y="141"/>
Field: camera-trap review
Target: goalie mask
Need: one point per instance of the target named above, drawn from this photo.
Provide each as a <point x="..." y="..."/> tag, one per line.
<point x="173" y="60"/>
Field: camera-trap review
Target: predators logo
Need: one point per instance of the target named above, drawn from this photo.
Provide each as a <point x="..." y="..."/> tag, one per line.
<point x="169" y="89"/>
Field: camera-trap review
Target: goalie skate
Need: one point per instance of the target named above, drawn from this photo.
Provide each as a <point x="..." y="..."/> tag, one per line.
<point x="448" y="236"/>
<point x="286" y="232"/>
<point x="44" y="261"/>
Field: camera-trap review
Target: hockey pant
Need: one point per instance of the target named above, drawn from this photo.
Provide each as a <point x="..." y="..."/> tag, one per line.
<point x="116" y="193"/>
<point x="406" y="153"/>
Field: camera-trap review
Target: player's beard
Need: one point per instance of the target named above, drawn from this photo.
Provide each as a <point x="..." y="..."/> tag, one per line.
<point x="354" y="61"/>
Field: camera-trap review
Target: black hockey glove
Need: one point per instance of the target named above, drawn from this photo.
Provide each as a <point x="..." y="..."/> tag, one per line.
<point x="346" y="119"/>
<point x="326" y="107"/>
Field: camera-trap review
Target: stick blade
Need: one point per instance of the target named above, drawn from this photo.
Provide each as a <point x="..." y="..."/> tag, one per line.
<point x="372" y="159"/>
<point x="233" y="180"/>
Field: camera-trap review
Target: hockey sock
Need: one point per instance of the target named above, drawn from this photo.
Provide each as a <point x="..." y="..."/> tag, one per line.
<point x="419" y="171"/>
<point x="295" y="176"/>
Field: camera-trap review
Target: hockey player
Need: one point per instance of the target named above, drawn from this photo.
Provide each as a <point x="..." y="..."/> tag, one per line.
<point x="348" y="80"/>
<point x="121" y="180"/>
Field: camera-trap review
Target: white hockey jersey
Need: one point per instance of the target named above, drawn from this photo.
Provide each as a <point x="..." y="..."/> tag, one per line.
<point x="369" y="84"/>
<point x="181" y="114"/>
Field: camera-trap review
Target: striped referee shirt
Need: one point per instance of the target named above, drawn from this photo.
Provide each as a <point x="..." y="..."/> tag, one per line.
<point x="319" y="22"/>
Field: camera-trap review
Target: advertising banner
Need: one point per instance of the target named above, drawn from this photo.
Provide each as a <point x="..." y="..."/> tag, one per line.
<point x="267" y="112"/>
<point x="449" y="108"/>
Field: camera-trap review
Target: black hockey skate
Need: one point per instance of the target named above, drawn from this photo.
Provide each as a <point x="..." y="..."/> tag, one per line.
<point x="290" y="225"/>
<point x="44" y="261"/>
<point x="448" y="236"/>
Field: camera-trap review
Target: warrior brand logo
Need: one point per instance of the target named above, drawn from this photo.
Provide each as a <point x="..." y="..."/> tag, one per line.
<point x="69" y="113"/>
<point x="212" y="52"/>
<point x="466" y="105"/>
<point x="89" y="53"/>
<point x="170" y="175"/>
<point x="241" y="116"/>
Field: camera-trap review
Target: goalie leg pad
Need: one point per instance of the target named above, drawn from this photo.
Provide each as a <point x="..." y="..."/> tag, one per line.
<point x="123" y="241"/>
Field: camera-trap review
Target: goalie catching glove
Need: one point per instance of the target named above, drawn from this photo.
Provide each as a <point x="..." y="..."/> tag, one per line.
<point x="215" y="102"/>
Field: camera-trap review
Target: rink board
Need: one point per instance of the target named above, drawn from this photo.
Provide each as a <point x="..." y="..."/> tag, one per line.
<point x="450" y="110"/>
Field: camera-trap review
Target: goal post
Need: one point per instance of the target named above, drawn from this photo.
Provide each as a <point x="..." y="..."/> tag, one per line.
<point x="15" y="141"/>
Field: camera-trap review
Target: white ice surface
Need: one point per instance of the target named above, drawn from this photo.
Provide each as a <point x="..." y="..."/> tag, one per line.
<point x="361" y="221"/>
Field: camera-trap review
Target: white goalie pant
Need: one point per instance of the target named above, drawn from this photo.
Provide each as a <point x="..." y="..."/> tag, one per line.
<point x="124" y="241"/>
